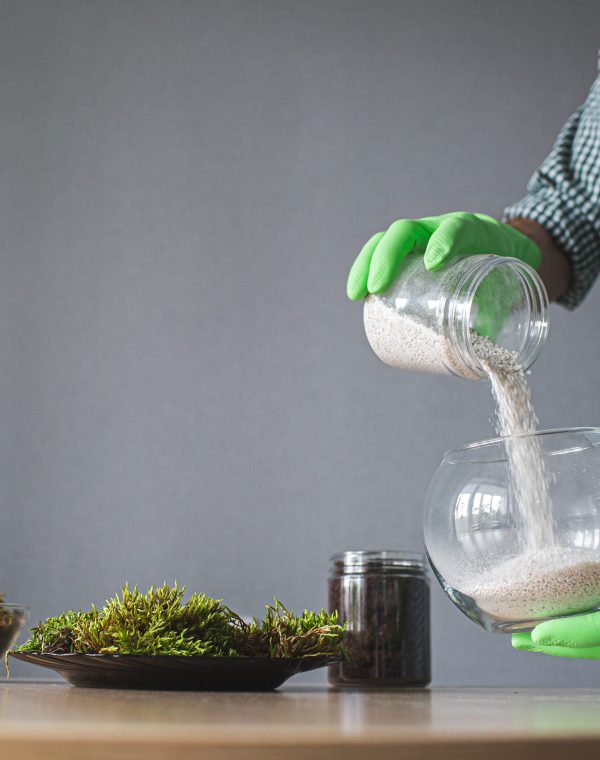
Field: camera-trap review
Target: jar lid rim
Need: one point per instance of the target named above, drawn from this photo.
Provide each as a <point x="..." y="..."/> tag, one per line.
<point x="384" y="557"/>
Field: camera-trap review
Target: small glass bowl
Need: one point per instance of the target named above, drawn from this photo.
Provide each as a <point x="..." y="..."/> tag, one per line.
<point x="476" y="538"/>
<point x="12" y="619"/>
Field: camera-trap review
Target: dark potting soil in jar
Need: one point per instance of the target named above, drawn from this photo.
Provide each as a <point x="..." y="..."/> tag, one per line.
<point x="384" y="598"/>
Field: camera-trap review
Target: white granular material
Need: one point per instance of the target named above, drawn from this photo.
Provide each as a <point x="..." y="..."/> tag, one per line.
<point x="493" y="357"/>
<point x="407" y="343"/>
<point x="516" y="418"/>
<point x="539" y="585"/>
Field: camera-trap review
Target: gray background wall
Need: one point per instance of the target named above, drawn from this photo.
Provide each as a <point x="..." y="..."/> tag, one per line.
<point x="185" y="392"/>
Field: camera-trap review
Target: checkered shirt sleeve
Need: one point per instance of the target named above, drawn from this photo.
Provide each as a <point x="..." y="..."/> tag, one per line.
<point x="564" y="196"/>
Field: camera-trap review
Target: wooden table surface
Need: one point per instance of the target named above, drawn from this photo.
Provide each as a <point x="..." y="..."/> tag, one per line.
<point x="54" y="720"/>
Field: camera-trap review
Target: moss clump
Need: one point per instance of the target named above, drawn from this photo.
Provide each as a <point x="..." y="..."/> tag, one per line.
<point x="283" y="634"/>
<point x="159" y="622"/>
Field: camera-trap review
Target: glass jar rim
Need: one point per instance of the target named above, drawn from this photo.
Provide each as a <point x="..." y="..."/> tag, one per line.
<point x="489" y="442"/>
<point x="473" y="271"/>
<point x="358" y="559"/>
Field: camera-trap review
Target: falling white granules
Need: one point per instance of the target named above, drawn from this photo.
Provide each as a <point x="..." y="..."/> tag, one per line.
<point x="539" y="585"/>
<point x="528" y="481"/>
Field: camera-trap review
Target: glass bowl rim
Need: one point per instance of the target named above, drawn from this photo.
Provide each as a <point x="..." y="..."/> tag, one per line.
<point x="488" y="442"/>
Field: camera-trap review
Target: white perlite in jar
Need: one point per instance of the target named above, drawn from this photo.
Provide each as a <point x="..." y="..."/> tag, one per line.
<point x="401" y="341"/>
<point x="407" y="343"/>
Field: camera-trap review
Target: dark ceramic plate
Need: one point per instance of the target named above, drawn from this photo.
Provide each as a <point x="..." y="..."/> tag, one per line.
<point x="113" y="671"/>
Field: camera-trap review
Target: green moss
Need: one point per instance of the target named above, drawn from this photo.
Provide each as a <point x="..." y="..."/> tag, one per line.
<point x="159" y="622"/>
<point x="283" y="634"/>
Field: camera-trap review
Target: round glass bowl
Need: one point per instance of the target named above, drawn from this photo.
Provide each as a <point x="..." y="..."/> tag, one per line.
<point x="477" y="537"/>
<point x="12" y="620"/>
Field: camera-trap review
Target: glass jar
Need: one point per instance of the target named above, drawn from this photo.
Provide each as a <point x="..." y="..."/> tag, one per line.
<point x="434" y="321"/>
<point x="384" y="598"/>
<point x="479" y="539"/>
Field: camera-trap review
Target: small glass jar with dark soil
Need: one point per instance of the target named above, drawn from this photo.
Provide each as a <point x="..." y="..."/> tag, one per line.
<point x="384" y="598"/>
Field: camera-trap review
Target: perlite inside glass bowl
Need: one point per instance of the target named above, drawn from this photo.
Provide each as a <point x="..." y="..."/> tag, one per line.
<point x="476" y="537"/>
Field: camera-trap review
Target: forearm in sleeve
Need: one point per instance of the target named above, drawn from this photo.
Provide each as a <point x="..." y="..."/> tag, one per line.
<point x="564" y="198"/>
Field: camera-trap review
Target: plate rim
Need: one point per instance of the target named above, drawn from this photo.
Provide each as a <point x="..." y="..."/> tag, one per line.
<point x="196" y="658"/>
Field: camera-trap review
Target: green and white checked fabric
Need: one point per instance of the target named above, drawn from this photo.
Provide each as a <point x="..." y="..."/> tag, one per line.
<point x="564" y="196"/>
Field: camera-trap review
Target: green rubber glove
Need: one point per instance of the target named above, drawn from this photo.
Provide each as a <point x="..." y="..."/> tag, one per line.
<point x="439" y="238"/>
<point x="577" y="637"/>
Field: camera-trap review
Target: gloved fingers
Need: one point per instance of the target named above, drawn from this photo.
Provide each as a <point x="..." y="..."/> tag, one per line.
<point x="431" y="223"/>
<point x="523" y="642"/>
<point x="531" y="254"/>
<point x="571" y="653"/>
<point x="522" y="247"/>
<point x="456" y="235"/>
<point x="401" y="238"/>
<point x="577" y="631"/>
<point x="439" y="238"/>
<point x="467" y="234"/>
<point x="485" y="218"/>
<point x="359" y="272"/>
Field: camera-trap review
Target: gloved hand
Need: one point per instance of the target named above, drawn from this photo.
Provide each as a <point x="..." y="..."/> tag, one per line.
<point x="577" y="637"/>
<point x="439" y="238"/>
